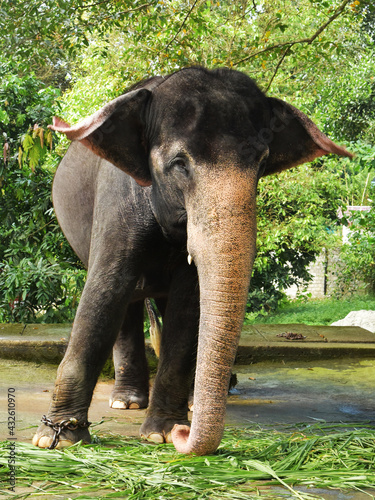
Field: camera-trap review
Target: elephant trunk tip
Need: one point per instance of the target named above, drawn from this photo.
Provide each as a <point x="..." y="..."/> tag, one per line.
<point x="180" y="438"/>
<point x="184" y="442"/>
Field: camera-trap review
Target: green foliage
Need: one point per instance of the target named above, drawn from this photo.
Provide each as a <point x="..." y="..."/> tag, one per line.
<point x="345" y="105"/>
<point x="24" y="102"/>
<point x="275" y="40"/>
<point x="368" y="14"/>
<point x="38" y="271"/>
<point x="295" y="210"/>
<point x="358" y="255"/>
<point x="38" y="290"/>
<point x="314" y="312"/>
<point x="297" y="217"/>
<point x="315" y="54"/>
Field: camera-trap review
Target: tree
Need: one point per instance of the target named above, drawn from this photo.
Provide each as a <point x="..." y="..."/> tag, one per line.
<point x="286" y="61"/>
<point x="95" y="50"/>
<point x="166" y="35"/>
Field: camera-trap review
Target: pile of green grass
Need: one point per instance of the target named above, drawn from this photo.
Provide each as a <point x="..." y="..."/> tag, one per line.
<point x="315" y="312"/>
<point x="325" y="455"/>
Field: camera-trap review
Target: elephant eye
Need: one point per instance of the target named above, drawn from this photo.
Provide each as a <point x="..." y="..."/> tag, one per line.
<point x="179" y="163"/>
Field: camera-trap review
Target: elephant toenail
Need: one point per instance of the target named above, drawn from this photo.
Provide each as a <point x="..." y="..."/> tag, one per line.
<point x="45" y="442"/>
<point x="64" y="443"/>
<point x="118" y="405"/>
<point x="155" y="438"/>
<point x="134" y="406"/>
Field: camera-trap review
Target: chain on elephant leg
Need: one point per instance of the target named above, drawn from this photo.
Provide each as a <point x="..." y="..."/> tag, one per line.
<point x="72" y="425"/>
<point x="61" y="433"/>
<point x="66" y="422"/>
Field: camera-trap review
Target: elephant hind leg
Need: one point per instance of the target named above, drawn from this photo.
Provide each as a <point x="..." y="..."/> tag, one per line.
<point x="131" y="369"/>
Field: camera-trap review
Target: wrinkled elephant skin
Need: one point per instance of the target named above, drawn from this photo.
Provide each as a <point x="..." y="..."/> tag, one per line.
<point x="156" y="195"/>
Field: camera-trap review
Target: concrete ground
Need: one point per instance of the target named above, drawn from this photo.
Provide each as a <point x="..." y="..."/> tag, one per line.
<point x="286" y="374"/>
<point x="326" y="376"/>
<point x="266" y="393"/>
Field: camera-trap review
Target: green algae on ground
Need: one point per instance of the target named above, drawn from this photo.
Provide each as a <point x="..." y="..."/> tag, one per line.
<point x="324" y="455"/>
<point x="311" y="374"/>
<point x="20" y="372"/>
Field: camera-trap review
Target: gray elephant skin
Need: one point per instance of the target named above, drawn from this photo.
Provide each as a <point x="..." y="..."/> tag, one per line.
<point x="157" y="196"/>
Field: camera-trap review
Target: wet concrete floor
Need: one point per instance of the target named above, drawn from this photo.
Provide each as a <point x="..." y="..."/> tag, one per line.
<point x="267" y="393"/>
<point x="279" y="392"/>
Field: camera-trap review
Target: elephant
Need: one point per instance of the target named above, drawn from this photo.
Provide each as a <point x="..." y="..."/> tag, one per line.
<point x="157" y="196"/>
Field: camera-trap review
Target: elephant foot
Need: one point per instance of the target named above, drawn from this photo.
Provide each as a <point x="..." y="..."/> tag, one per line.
<point x="128" y="400"/>
<point x="158" y="430"/>
<point x="61" y="433"/>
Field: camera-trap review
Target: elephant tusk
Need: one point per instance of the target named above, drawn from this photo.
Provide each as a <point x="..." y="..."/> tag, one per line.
<point x="190" y="259"/>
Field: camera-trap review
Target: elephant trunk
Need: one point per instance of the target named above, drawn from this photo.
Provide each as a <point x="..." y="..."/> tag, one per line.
<point x="221" y="240"/>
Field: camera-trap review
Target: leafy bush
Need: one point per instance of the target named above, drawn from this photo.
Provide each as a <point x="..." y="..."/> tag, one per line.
<point x="297" y="217"/>
<point x="357" y="269"/>
<point x="39" y="291"/>
<point x="40" y="278"/>
<point x="38" y="270"/>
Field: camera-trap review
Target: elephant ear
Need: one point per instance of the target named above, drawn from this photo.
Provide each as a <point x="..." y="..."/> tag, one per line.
<point x="293" y="138"/>
<point x="115" y="133"/>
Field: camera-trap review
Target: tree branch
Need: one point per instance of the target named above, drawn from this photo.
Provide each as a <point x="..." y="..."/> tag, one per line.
<point x="182" y="25"/>
<point x="310" y="40"/>
<point x="140" y="7"/>
<point x="118" y="13"/>
<point x="277" y="68"/>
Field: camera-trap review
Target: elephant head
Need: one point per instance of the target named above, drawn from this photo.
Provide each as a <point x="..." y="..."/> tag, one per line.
<point x="199" y="141"/>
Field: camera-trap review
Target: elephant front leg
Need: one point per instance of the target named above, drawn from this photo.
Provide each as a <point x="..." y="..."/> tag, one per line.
<point x="131" y="368"/>
<point x="96" y="325"/>
<point x="170" y="393"/>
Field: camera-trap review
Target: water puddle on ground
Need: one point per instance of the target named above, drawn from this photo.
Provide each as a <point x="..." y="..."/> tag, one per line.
<point x="333" y="390"/>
